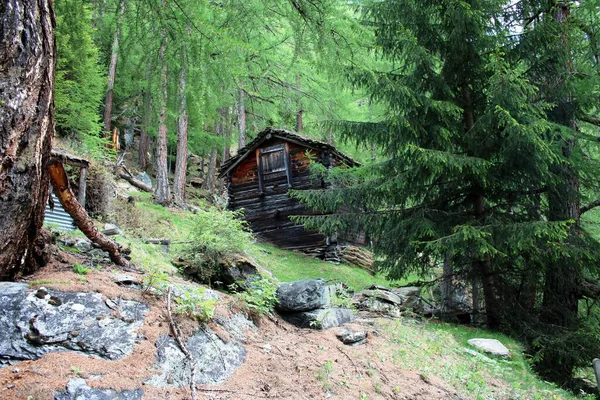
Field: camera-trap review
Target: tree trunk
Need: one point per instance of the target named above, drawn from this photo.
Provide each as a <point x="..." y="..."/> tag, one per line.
<point x="182" y="140"/>
<point x="162" y="193"/>
<point x="482" y="267"/>
<point x="143" y="145"/>
<point x="241" y="119"/>
<point x="563" y="276"/>
<point x="299" y="125"/>
<point x="67" y="198"/>
<point x="447" y="287"/>
<point x="226" y="133"/>
<point x="124" y="174"/>
<point x="112" y="70"/>
<point x="27" y="68"/>
<point x="211" y="175"/>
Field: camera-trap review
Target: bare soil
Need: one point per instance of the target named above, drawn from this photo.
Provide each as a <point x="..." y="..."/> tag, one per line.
<point x="282" y="362"/>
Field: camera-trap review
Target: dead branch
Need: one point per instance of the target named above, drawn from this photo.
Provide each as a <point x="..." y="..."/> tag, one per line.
<point x="60" y="183"/>
<point x="184" y="350"/>
<point x="121" y="172"/>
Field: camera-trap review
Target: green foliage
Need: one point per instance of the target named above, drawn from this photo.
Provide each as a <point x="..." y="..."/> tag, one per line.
<point x="80" y="269"/>
<point x="260" y="295"/>
<point x="193" y="302"/>
<point x="80" y="83"/>
<point x="215" y="234"/>
<point x="155" y="280"/>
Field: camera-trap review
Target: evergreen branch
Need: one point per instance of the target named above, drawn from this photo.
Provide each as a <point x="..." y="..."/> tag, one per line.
<point x="589" y="207"/>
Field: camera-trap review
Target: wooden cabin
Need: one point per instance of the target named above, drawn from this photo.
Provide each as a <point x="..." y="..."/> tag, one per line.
<point x="260" y="175"/>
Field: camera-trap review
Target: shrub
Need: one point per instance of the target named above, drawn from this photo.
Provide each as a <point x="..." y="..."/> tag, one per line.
<point x="215" y="235"/>
<point x="193" y="302"/>
<point x="80" y="269"/>
<point x="260" y="295"/>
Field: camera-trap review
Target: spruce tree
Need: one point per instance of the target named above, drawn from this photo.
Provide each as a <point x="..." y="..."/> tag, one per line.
<point x="473" y="162"/>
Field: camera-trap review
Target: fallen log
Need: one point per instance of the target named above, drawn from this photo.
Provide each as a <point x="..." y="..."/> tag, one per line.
<point x="60" y="183"/>
<point x="121" y="172"/>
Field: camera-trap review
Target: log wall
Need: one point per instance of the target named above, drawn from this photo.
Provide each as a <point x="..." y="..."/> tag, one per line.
<point x="268" y="211"/>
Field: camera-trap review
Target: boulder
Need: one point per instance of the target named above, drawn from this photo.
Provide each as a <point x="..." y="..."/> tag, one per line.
<point x="238" y="270"/>
<point x="352" y="338"/>
<point x="33" y="323"/>
<point x="144" y="178"/>
<point x="385" y="295"/>
<point x="322" y="318"/>
<point x="78" y="389"/>
<point x="111" y="229"/>
<point x="83" y="245"/>
<point x="214" y="359"/>
<point x="490" y="346"/>
<point x="302" y="295"/>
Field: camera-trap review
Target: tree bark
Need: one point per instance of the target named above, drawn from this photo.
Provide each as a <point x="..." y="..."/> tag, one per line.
<point x="182" y="141"/>
<point x="112" y="70"/>
<point x="67" y="198"/>
<point x="482" y="267"/>
<point x="123" y="174"/>
<point x="27" y="69"/>
<point x="162" y="193"/>
<point x="299" y="124"/>
<point x="241" y="119"/>
<point x="211" y="175"/>
<point x="143" y="145"/>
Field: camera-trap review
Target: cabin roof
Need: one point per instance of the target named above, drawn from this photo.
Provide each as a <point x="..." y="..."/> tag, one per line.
<point x="288" y="136"/>
<point x="68" y="158"/>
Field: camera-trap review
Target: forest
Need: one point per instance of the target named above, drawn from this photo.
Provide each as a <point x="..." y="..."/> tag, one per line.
<point x="476" y="124"/>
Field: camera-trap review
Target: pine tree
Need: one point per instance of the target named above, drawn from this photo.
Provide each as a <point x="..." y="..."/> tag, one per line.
<point x="471" y="164"/>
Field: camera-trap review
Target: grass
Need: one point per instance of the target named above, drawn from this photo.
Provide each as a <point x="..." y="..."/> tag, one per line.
<point x="289" y="266"/>
<point x="441" y="350"/>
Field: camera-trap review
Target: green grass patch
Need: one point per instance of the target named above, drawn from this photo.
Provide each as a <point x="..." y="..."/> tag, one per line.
<point x="288" y="266"/>
<point x="441" y="350"/>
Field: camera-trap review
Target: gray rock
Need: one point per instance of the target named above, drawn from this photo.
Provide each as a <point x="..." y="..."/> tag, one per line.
<point x="322" y="318"/>
<point x="124" y="279"/>
<point x="302" y="295"/>
<point x="491" y="346"/>
<point x="384" y="295"/>
<point x="351" y="337"/>
<point x="236" y="325"/>
<point x="214" y="359"/>
<point x="83" y="245"/>
<point x="145" y="178"/>
<point x="408" y="291"/>
<point x="111" y="229"/>
<point x="77" y="389"/>
<point x="61" y="321"/>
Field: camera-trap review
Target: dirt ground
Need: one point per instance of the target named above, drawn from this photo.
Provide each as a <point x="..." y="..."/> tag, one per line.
<point x="282" y="362"/>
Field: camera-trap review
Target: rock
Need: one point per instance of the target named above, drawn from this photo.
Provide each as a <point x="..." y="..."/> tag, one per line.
<point x="351" y="337"/>
<point x="408" y="291"/>
<point x="125" y="280"/>
<point x="83" y="245"/>
<point x="491" y="346"/>
<point x="322" y="318"/>
<point x="145" y="178"/>
<point x="384" y="295"/>
<point x="111" y="230"/>
<point x="77" y="389"/>
<point x="302" y="295"/>
<point x="237" y="270"/>
<point x="31" y="327"/>
<point x="215" y="360"/>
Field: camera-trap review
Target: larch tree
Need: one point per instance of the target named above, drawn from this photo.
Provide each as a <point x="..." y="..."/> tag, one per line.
<point x="28" y="59"/>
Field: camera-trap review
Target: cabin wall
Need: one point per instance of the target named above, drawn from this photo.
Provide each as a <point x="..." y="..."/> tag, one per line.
<point x="268" y="212"/>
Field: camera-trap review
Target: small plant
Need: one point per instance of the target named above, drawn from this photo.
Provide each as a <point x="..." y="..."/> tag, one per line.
<point x="324" y="375"/>
<point x="193" y="302"/>
<point x="76" y="370"/>
<point x="155" y="279"/>
<point x="260" y="295"/>
<point x="79" y="269"/>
